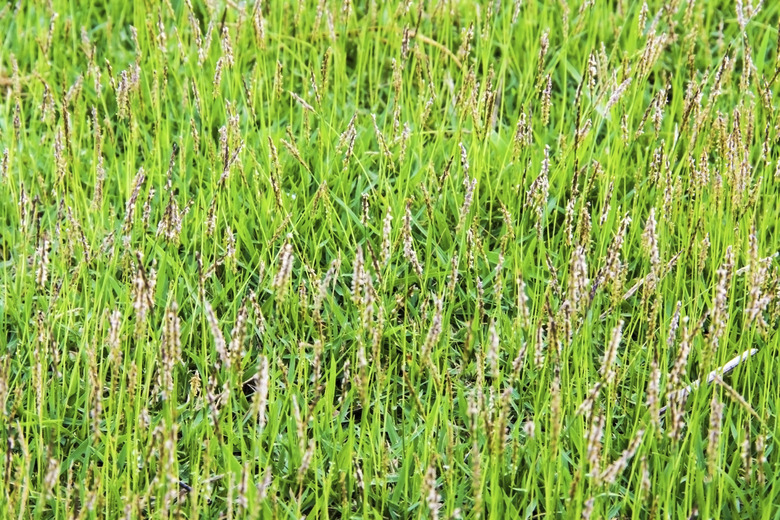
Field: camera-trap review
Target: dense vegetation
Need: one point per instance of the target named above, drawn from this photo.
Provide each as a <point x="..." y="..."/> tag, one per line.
<point x="419" y="259"/>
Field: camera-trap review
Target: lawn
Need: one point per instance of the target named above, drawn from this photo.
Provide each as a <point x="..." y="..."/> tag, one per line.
<point x="400" y="259"/>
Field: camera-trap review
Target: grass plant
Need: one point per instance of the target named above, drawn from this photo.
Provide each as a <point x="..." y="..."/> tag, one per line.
<point x="418" y="259"/>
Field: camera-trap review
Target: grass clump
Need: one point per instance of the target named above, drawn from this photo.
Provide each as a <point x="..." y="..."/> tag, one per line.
<point x="389" y="259"/>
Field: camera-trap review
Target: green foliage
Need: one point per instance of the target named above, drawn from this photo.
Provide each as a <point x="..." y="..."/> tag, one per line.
<point x="388" y="259"/>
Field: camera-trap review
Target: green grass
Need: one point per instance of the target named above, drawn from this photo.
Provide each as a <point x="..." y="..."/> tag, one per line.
<point x="201" y="286"/>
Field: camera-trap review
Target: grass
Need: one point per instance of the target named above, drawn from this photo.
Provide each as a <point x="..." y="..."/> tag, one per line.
<point x="389" y="260"/>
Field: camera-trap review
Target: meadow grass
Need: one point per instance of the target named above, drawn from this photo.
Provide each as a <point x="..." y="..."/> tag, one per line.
<point x="425" y="259"/>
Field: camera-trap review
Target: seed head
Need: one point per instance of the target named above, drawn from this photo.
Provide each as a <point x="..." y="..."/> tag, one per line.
<point x="171" y="349"/>
<point x="719" y="314"/>
<point x="650" y="240"/>
<point x="713" y="437"/>
<point x="617" y="94"/>
<point x="219" y="339"/>
<point x="143" y="291"/>
<point x="258" y="23"/>
<point x="140" y="177"/>
<point x="547" y="101"/>
<point x="610" y="474"/>
<point x="238" y="334"/>
<point x="387" y="228"/>
<point x="467" y="199"/>
<point x="42" y="260"/>
<point x="435" y="331"/>
<point x="286" y="260"/>
<point x="432" y="496"/>
<point x="578" y="280"/>
<point x="607" y="369"/>
<point x="538" y="193"/>
<point x="654" y="392"/>
<point x="594" y="444"/>
<point x="492" y="354"/>
<point x="260" y="397"/>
